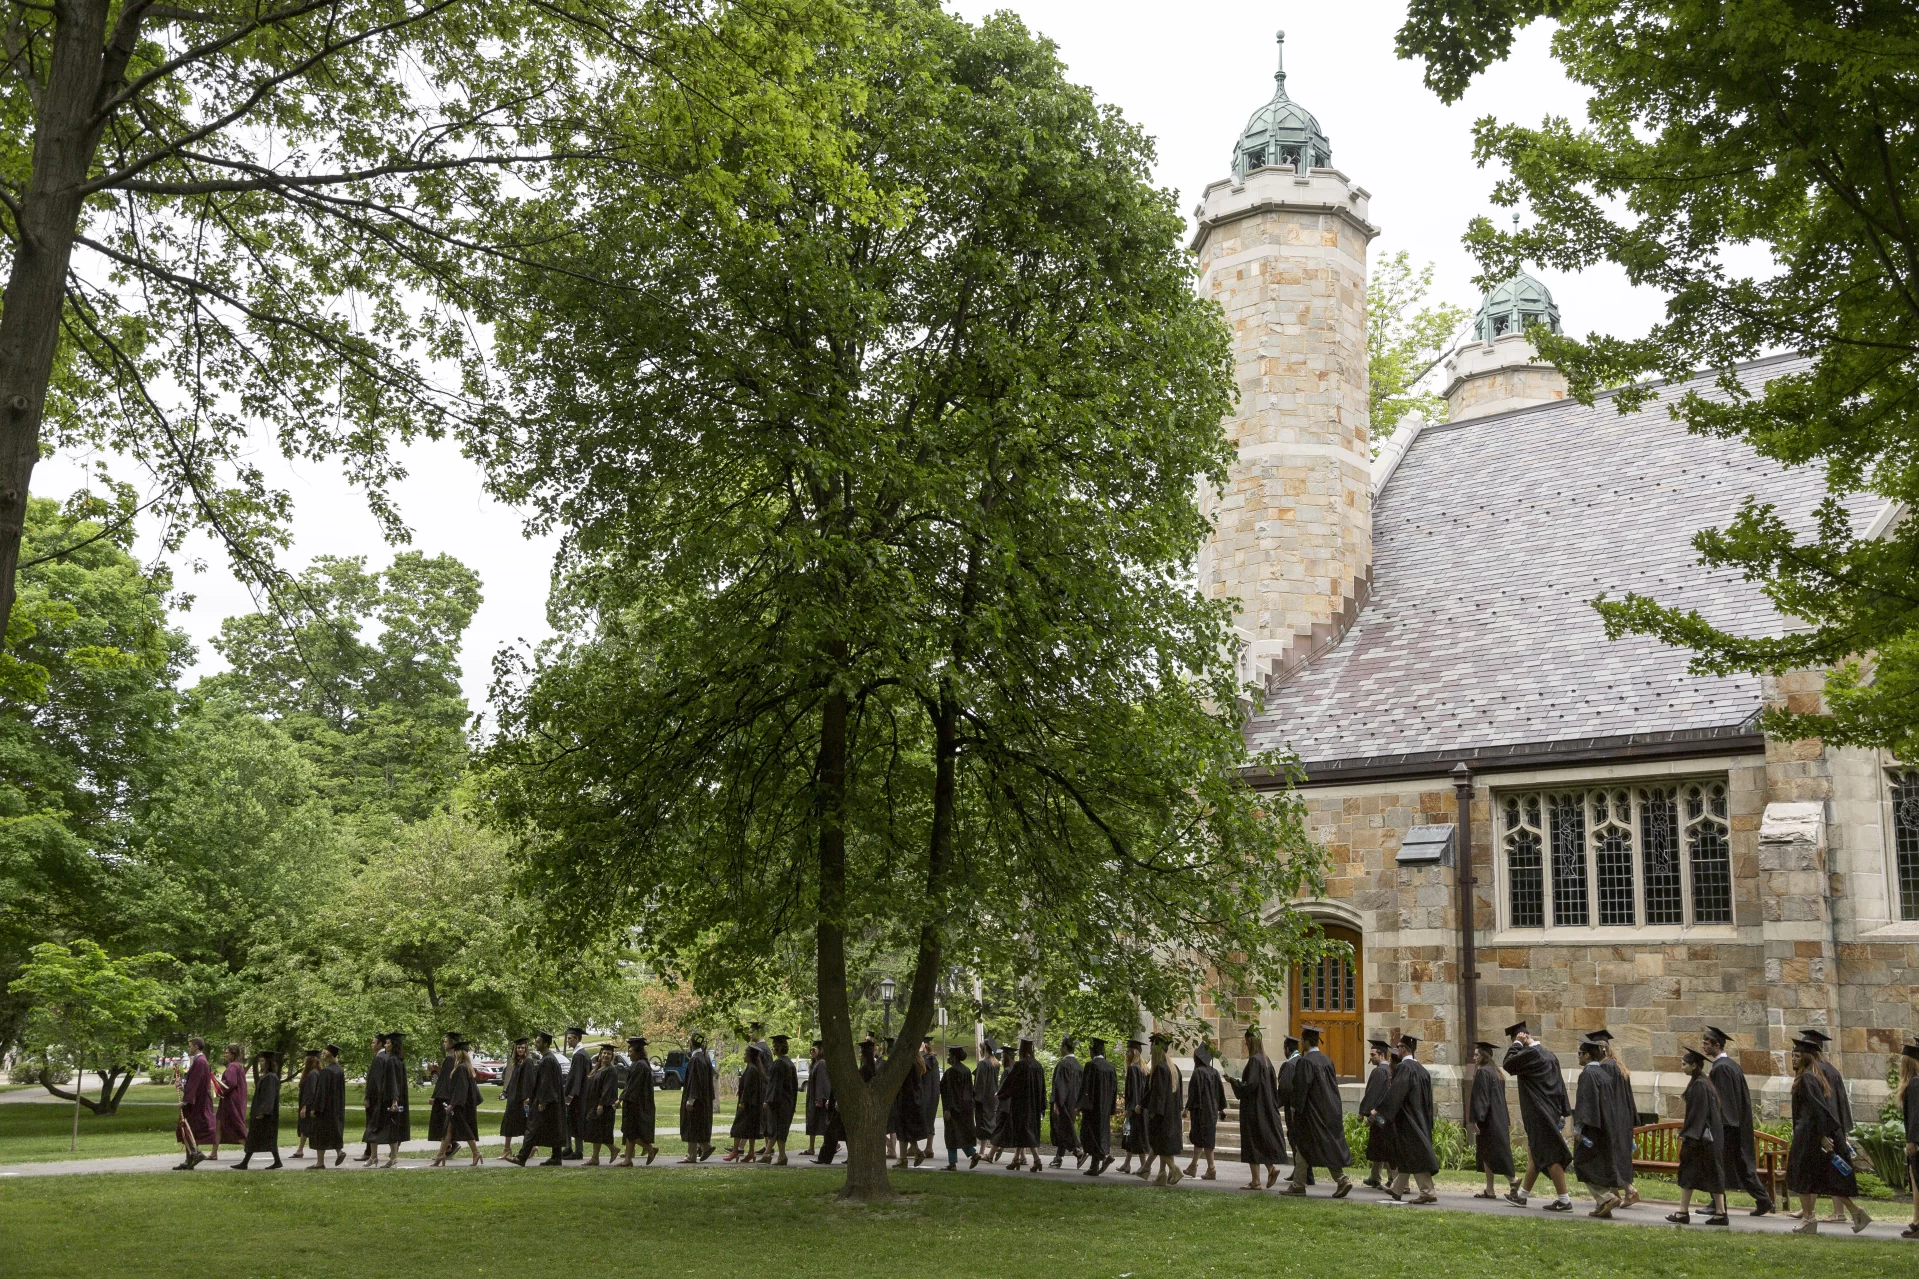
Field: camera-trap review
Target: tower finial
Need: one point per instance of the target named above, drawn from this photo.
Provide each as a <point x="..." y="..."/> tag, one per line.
<point x="1279" y="76"/>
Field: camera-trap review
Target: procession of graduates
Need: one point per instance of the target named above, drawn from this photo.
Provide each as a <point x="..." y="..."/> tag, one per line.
<point x="1291" y="1113"/>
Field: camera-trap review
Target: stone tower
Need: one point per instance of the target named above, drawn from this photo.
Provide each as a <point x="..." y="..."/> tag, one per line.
<point x="1282" y="247"/>
<point x="1500" y="369"/>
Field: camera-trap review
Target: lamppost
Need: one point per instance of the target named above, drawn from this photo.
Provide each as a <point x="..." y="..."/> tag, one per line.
<point x="886" y="998"/>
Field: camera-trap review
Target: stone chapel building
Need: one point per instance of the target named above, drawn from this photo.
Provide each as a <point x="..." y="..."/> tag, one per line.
<point x="1525" y="819"/>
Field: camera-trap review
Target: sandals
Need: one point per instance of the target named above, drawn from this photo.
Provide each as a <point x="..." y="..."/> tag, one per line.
<point x="1484" y="1194"/>
<point x="1680" y="1218"/>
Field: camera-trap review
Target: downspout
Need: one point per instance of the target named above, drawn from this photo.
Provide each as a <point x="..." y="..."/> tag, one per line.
<point x="1468" y="953"/>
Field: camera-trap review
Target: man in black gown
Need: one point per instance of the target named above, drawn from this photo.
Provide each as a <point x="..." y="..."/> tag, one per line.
<point x="545" y="1106"/>
<point x="1542" y="1111"/>
<point x="1492" y="1122"/>
<point x="696" y="1102"/>
<point x="263" y="1116"/>
<point x="375" y="1105"/>
<point x="958" y="1109"/>
<point x="1408" y="1113"/>
<point x="436" y="1116"/>
<point x="328" y="1126"/>
<point x="819" y="1082"/>
<point x="578" y="1071"/>
<point x="396" y="1124"/>
<point x="1603" y="1120"/>
<point x="1700" y="1136"/>
<point x="1735" y="1111"/>
<point x="929" y="1092"/>
<point x="1262" y="1142"/>
<point x="815" y="1080"/>
<point x="1064" y="1111"/>
<point x="1098" y="1093"/>
<point x="1320" y="1141"/>
<point x="1022" y="1098"/>
<point x="1379" y="1143"/>
<point x="782" y="1095"/>
<point x="986" y="1098"/>
<point x="1132" y="1139"/>
<point x="638" y="1116"/>
<point x="1205" y="1100"/>
<point x="1289" y="1067"/>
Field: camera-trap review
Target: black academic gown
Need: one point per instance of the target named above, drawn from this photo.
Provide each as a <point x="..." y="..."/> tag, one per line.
<point x="1736" y="1141"/>
<point x="915" y="1120"/>
<point x="637" y="1114"/>
<point x="1700" y="1165"/>
<point x="436" y="1117"/>
<point x="1493" y="1138"/>
<point x="749" y="1117"/>
<point x="546" y="1104"/>
<point x="959" y="1107"/>
<point x="1288" y="1109"/>
<point x="1600" y="1158"/>
<point x="1542" y="1103"/>
<point x="782" y="1094"/>
<point x="1098" y="1093"/>
<point x="1133" y="1140"/>
<point x="1064" y="1109"/>
<point x="328" y="1131"/>
<point x="1262" y="1142"/>
<point x="1909" y="1115"/>
<point x="1320" y="1141"/>
<point x="1165" y="1102"/>
<point x="463" y="1109"/>
<point x="600" y="1112"/>
<point x="696" y="1099"/>
<point x="579" y="1072"/>
<point x="308" y="1090"/>
<point x="930" y="1090"/>
<point x="1022" y="1097"/>
<point x="1842" y="1103"/>
<point x="986" y="1098"/>
<point x="519" y="1080"/>
<point x="1205" y="1099"/>
<point x="815" y="1110"/>
<point x="396" y="1121"/>
<point x="375" y="1100"/>
<point x="1809" y="1166"/>
<point x="1408" y="1113"/>
<point x="1379" y="1139"/>
<point x="263" y="1117"/>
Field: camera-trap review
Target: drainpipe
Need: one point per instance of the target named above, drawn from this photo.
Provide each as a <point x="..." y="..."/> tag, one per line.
<point x="1468" y="954"/>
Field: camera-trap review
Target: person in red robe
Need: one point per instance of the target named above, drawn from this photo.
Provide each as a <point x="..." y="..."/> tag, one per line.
<point x="231" y="1088"/>
<point x="196" y="1106"/>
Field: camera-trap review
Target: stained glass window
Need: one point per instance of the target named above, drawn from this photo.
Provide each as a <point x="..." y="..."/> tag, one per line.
<point x="1569" y="860"/>
<point x="1525" y="867"/>
<point x="1905" y="840"/>
<point x="1659" y="855"/>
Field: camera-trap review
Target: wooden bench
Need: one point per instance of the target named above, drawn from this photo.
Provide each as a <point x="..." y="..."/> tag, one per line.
<point x="1655" y="1148"/>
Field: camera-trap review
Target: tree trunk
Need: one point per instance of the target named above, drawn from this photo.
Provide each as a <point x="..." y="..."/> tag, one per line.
<point x="80" y="74"/>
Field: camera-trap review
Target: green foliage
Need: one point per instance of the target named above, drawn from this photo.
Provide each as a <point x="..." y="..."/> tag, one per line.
<point x="1406" y="338"/>
<point x="94" y="1009"/>
<point x="1716" y="129"/>
<point x="382" y="721"/>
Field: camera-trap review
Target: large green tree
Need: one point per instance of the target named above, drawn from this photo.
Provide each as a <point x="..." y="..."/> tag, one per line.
<point x="880" y="503"/>
<point x="1757" y="163"/>
<point x="1406" y="338"/>
<point x="380" y="717"/>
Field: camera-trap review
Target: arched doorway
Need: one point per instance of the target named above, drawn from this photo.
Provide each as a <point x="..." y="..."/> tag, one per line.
<point x="1331" y="995"/>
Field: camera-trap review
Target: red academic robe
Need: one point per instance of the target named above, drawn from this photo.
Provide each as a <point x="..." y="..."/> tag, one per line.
<point x="196" y="1099"/>
<point x="233" y="1102"/>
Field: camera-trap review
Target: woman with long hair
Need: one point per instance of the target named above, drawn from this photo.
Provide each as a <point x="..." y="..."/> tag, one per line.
<point x="746" y="1115"/>
<point x="462" y="1094"/>
<point x="306" y="1091"/>
<point x="1819" y="1161"/>
<point x="515" y="1087"/>
<point x="601" y="1105"/>
<point x="230" y="1122"/>
<point x="1909" y="1111"/>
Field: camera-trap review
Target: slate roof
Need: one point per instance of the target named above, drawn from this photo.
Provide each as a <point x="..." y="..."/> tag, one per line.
<point x="1491" y="538"/>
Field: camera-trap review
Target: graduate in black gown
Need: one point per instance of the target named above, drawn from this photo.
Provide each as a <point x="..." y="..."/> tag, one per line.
<point x="1820" y="1159"/>
<point x="1735" y="1112"/>
<point x="1165" y="1103"/>
<point x="600" y="1116"/>
<point x="545" y="1105"/>
<point x="1205" y="1100"/>
<point x="1543" y="1108"/>
<point x="1603" y="1120"/>
<point x="521" y="1065"/>
<point x="958" y="1107"/>
<point x="1288" y="1067"/>
<point x="782" y="1095"/>
<point x="328" y="1121"/>
<point x="1379" y="1142"/>
<point x="638" y="1118"/>
<point x="303" y="1099"/>
<point x="816" y="1079"/>
<point x="1132" y="1137"/>
<point x="697" y="1092"/>
<point x="895" y="1148"/>
<point x="375" y="1106"/>
<point x="396" y="1123"/>
<point x="934" y="1070"/>
<point x="1408" y="1113"/>
<point x="1008" y="1057"/>
<point x="749" y="1115"/>
<point x="1700" y="1135"/>
<point x="1098" y="1095"/>
<point x="1064" y="1108"/>
<point x="915" y="1120"/>
<point x="1492" y="1121"/>
<point x="1022" y="1099"/>
<point x="437" y="1099"/>
<point x="1262" y="1141"/>
<point x="462" y="1093"/>
<point x="1320" y="1141"/>
<point x="1832" y="1074"/>
<point x="263" y="1117"/>
<point x="579" y="1069"/>
<point x="986" y="1098"/>
<point x="1908" y="1099"/>
<point x="819" y="1083"/>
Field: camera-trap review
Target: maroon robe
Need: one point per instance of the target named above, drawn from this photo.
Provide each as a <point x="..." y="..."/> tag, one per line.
<point x="196" y="1099"/>
<point x="233" y="1102"/>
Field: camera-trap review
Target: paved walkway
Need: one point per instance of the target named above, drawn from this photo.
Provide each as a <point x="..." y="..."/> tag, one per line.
<point x="416" y="1154"/>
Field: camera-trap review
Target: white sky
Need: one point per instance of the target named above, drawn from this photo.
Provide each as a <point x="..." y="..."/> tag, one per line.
<point x="1190" y="74"/>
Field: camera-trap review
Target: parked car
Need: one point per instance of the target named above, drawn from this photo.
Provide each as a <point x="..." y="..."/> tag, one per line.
<point x="487" y="1071"/>
<point x="672" y="1072"/>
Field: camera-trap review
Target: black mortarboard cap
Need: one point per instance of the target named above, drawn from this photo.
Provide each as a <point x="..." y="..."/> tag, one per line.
<point x="1026" y="1045"/>
<point x="270" y="1057"/>
<point x="636" y="1041"/>
<point x="380" y="1038"/>
<point x="1911" y="1050"/>
<point x="1066" y="1044"/>
<point x="543" y="1036"/>
<point x="992" y="1045"/>
<point x="1514" y="1029"/>
<point x="1289" y="1043"/>
<point x="1601" y="1035"/>
<point x="1409" y="1042"/>
<point x="310" y="1052"/>
<point x="1096" y="1045"/>
<point x="819" y="1043"/>
<point x="395" y="1036"/>
<point x="462" y="1046"/>
<point x="1253" y="1031"/>
<point x="758" y="1025"/>
<point x="1160" y="1037"/>
<point x="1136" y="1043"/>
<point x="521" y="1040"/>
<point x="698" y="1041"/>
<point x="1805" y="1046"/>
<point x="1489" y="1049"/>
<point x="956" y="1052"/>
<point x="1815" y="1034"/>
<point x="1380" y="1044"/>
<point x="1719" y="1034"/>
<point x="334" y="1049"/>
<point x="1309" y="1034"/>
<point x="1693" y="1057"/>
<point x="781" y="1041"/>
<point x="576" y="1030"/>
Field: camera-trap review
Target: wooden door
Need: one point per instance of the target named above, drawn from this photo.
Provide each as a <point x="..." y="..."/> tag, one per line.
<point x="1329" y="995"/>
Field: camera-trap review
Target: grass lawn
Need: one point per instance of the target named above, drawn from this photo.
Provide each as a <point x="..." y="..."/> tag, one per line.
<point x="36" y="1132"/>
<point x="711" y="1220"/>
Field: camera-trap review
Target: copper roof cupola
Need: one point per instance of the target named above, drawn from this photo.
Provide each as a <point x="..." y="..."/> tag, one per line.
<point x="1282" y="133"/>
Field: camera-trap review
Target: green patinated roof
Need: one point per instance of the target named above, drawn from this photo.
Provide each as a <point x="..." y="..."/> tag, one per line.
<point x="1281" y="133"/>
<point x="1515" y="306"/>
